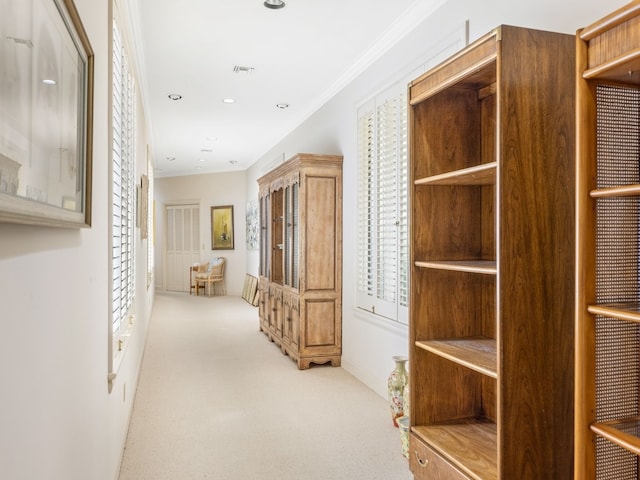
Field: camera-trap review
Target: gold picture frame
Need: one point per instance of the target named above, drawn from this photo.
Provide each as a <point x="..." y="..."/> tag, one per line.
<point x="143" y="203"/>
<point x="222" y="232"/>
<point x="46" y="115"/>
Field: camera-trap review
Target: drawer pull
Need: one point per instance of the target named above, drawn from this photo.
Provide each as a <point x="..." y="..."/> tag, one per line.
<point x="421" y="462"/>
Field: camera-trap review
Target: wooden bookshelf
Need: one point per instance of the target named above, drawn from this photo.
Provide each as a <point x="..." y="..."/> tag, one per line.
<point x="492" y="271"/>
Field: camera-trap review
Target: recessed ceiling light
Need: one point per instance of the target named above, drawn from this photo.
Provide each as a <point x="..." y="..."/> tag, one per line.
<point x="274" y="4"/>
<point x="233" y="162"/>
<point x="48" y="81"/>
<point x="228" y="100"/>
<point x="282" y="106"/>
<point x="171" y="159"/>
<point x="174" y="96"/>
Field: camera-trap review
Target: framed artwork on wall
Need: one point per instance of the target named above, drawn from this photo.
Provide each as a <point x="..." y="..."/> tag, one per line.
<point x="143" y="202"/>
<point x="46" y="114"/>
<point x="253" y="231"/>
<point x="222" y="227"/>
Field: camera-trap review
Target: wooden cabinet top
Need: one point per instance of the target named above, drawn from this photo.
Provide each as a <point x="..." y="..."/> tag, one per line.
<point x="302" y="161"/>
<point x="613" y="46"/>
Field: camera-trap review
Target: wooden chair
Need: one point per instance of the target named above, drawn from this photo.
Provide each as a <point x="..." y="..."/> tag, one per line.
<point x="214" y="276"/>
<point x="193" y="271"/>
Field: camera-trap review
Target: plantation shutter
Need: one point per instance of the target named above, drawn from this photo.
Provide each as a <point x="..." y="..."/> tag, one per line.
<point x="122" y="184"/>
<point x="366" y="146"/>
<point x="387" y="208"/>
<point x="383" y="253"/>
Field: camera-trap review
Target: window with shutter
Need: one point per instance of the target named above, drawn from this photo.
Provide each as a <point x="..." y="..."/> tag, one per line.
<point x="382" y="205"/>
<point x="150" y="230"/>
<point x="123" y="157"/>
<point x="383" y="210"/>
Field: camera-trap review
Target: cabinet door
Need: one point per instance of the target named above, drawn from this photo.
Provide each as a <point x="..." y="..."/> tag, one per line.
<point x="294" y="323"/>
<point x="288" y="237"/>
<point x="291" y="234"/>
<point x="277" y="236"/>
<point x="291" y="322"/>
<point x="272" y="308"/>
<point x="295" y="236"/>
<point x="263" y="305"/>
<point x="264" y="236"/>
<point x="277" y="311"/>
<point x="286" y="322"/>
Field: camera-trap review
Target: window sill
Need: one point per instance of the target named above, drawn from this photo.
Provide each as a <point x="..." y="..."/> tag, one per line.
<point x="379" y="321"/>
<point x="119" y="347"/>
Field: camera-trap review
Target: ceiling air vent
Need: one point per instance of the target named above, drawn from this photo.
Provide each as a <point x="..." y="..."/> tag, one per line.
<point x="240" y="69"/>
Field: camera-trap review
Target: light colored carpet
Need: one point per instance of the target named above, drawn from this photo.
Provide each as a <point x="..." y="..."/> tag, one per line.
<point x="217" y="400"/>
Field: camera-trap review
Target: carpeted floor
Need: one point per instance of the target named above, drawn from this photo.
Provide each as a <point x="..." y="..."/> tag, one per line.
<point x="217" y="400"/>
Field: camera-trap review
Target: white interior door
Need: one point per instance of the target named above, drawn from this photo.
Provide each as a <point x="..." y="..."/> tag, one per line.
<point x="183" y="239"/>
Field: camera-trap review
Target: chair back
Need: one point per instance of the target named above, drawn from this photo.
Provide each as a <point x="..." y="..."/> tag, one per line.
<point x="217" y="267"/>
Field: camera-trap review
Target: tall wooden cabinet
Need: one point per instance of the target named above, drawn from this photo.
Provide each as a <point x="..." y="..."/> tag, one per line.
<point x="607" y="424"/>
<point x="300" y="287"/>
<point x="492" y="249"/>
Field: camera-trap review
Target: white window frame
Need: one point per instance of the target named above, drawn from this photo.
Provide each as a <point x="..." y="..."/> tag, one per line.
<point x="382" y="270"/>
<point x="123" y="208"/>
<point x="390" y="304"/>
<point x="150" y="216"/>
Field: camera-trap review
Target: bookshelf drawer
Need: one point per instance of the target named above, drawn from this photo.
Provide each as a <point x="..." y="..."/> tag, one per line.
<point x="426" y="464"/>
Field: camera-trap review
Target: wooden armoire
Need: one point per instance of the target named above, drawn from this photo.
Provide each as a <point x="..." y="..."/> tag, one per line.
<point x="300" y="286"/>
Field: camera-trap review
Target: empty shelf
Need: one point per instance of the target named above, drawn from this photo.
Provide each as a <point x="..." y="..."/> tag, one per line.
<point x="487" y="267"/>
<point x="476" y="353"/>
<point x="625" y="432"/>
<point x="621" y="311"/>
<point x="621" y="191"/>
<point x="484" y="174"/>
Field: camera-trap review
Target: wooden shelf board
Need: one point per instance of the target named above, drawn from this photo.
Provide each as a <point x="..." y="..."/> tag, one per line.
<point x="484" y="174"/>
<point x="621" y="191"/>
<point x="616" y="68"/>
<point x="487" y="267"/>
<point x="624" y="432"/>
<point x="469" y="444"/>
<point x="476" y="353"/>
<point x="622" y="311"/>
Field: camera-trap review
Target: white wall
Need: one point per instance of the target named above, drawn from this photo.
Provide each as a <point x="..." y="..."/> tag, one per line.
<point x="58" y="420"/>
<point x="206" y="191"/>
<point x="368" y="342"/>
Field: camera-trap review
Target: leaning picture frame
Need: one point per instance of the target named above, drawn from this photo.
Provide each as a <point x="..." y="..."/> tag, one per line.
<point x="46" y="114"/>
<point x="222" y="236"/>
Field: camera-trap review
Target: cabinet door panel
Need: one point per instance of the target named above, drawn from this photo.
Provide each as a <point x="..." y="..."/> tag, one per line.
<point x="320" y="235"/>
<point x="320" y="323"/>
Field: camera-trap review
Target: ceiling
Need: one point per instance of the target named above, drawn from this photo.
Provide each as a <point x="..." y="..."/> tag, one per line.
<point x="300" y="55"/>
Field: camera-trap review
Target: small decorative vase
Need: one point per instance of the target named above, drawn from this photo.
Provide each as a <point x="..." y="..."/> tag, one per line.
<point x="395" y="387"/>
<point x="404" y="426"/>
<point x="405" y="397"/>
